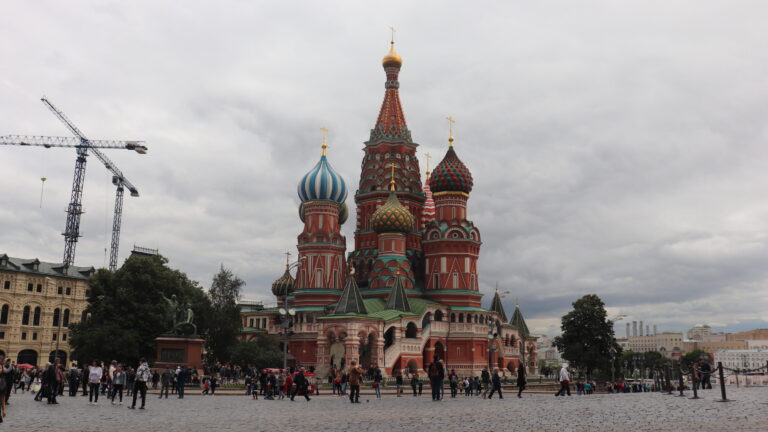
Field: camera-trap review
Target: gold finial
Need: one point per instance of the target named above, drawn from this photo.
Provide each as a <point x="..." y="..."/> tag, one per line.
<point x="497" y="287"/>
<point x="287" y="258"/>
<point x="428" y="157"/>
<point x="451" y="121"/>
<point x="392" y="59"/>
<point x="392" y="182"/>
<point x="392" y="29"/>
<point x="325" y="137"/>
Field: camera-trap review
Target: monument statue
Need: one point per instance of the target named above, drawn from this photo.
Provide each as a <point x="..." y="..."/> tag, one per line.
<point x="179" y="318"/>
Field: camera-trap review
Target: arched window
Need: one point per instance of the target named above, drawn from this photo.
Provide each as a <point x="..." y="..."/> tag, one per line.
<point x="438" y="315"/>
<point x="4" y="314"/>
<point x="65" y="322"/>
<point x="36" y="318"/>
<point x="410" y="330"/>
<point x="461" y="318"/>
<point x="25" y="316"/>
<point x="453" y="317"/>
<point x="56" y="317"/>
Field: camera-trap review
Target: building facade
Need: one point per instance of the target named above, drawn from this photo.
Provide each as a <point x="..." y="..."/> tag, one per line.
<point x="669" y="344"/>
<point x="38" y="302"/>
<point x="409" y="291"/>
<point x="742" y="358"/>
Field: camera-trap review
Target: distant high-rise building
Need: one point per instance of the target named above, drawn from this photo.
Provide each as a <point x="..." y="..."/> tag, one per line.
<point x="641" y="328"/>
<point x="634" y="328"/>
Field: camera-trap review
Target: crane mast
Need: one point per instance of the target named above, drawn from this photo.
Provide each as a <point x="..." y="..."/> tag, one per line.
<point x="82" y="146"/>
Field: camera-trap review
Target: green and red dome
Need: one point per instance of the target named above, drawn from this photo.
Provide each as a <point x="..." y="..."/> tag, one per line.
<point x="392" y="217"/>
<point x="451" y="175"/>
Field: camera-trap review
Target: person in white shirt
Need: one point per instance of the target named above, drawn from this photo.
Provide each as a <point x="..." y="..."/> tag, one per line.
<point x="565" y="381"/>
<point x="94" y="381"/>
<point x="143" y="375"/>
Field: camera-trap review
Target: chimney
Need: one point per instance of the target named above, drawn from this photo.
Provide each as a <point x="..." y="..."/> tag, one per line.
<point x="654" y="330"/>
<point x="641" y="328"/>
<point x="647" y="330"/>
<point x="628" y="331"/>
<point x="634" y="328"/>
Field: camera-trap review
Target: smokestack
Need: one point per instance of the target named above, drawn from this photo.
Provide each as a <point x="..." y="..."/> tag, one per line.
<point x="627" y="330"/>
<point x="647" y="330"/>
<point x="634" y="328"/>
<point x="654" y="329"/>
<point x="641" y="328"/>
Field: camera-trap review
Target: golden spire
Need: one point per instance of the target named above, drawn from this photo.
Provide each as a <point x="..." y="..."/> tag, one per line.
<point x="287" y="258"/>
<point x="428" y="157"/>
<point x="392" y="182"/>
<point x="451" y="121"/>
<point x="325" y="137"/>
<point x="392" y="59"/>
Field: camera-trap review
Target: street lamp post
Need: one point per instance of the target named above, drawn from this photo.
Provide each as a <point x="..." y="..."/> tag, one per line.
<point x="287" y="313"/>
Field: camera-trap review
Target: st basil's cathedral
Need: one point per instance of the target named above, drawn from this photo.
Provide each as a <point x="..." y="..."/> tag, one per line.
<point x="408" y="292"/>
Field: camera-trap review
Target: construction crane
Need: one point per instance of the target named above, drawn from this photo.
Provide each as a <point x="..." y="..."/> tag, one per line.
<point x="75" y="209"/>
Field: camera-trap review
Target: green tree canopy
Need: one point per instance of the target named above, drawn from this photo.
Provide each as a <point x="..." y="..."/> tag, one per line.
<point x="126" y="310"/>
<point x="262" y="353"/>
<point x="587" y="338"/>
<point x="225" y="319"/>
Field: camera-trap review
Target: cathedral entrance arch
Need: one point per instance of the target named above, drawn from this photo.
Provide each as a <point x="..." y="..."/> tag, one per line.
<point x="27" y="356"/>
<point x="411" y="331"/>
<point x="425" y="321"/>
<point x="368" y="356"/>
<point x="389" y="337"/>
<point x="413" y="367"/>
<point x="440" y="351"/>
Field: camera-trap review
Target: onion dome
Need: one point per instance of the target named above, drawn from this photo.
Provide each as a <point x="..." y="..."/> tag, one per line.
<point x="322" y="183"/>
<point x="392" y="59"/>
<point x="451" y="175"/>
<point x="343" y="213"/>
<point x="392" y="216"/>
<point x="284" y="285"/>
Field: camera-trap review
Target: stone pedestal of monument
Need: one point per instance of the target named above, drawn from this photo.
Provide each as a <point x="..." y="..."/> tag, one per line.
<point x="173" y="351"/>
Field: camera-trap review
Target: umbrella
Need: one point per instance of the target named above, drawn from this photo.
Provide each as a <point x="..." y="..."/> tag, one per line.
<point x="24" y="366"/>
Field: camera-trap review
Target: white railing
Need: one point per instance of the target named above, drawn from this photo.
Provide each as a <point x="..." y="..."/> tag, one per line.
<point x="439" y="327"/>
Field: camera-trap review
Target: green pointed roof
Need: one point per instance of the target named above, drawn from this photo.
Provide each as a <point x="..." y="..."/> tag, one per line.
<point x="519" y="322"/>
<point x="351" y="301"/>
<point x="397" y="299"/>
<point x="497" y="307"/>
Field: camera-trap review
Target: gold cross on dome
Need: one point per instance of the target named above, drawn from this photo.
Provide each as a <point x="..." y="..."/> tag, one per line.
<point x="392" y="29"/>
<point x="451" y="121"/>
<point x="287" y="258"/>
<point x="428" y="157"/>
<point x="325" y="138"/>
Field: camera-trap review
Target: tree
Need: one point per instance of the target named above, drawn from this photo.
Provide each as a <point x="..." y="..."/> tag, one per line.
<point x="262" y="353"/>
<point x="693" y="357"/>
<point x="225" y="320"/>
<point x="127" y="312"/>
<point x="588" y="336"/>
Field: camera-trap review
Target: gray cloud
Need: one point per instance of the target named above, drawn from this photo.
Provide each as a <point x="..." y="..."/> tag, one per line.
<point x="617" y="149"/>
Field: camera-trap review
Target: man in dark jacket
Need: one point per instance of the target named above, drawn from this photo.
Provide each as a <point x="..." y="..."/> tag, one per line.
<point x="53" y="377"/>
<point x="436" y="375"/>
<point x="495" y="384"/>
<point x="165" y="383"/>
<point x="302" y="385"/>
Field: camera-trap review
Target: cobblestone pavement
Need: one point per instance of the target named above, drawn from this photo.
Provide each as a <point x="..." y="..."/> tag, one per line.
<point x="535" y="412"/>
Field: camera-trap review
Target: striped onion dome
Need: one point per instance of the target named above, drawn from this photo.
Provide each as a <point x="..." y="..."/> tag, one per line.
<point x="451" y="175"/>
<point x="392" y="216"/>
<point x="322" y="183"/>
<point x="283" y="285"/>
<point x="429" y="204"/>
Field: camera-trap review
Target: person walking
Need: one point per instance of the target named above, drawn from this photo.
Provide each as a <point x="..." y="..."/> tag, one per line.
<point x="73" y="379"/>
<point x="377" y="378"/>
<point x="9" y="373"/>
<point x="706" y="372"/>
<point x="165" y="383"/>
<point x="118" y="383"/>
<point x="436" y="376"/>
<point x="520" y="380"/>
<point x="565" y="381"/>
<point x="84" y="374"/>
<point x="3" y="384"/>
<point x="454" y="380"/>
<point x="302" y="385"/>
<point x="399" y="383"/>
<point x="414" y="382"/>
<point x="182" y="376"/>
<point x="485" y="376"/>
<point x="355" y="377"/>
<point x="94" y="380"/>
<point x="495" y="384"/>
<point x="143" y="375"/>
<point x="54" y="377"/>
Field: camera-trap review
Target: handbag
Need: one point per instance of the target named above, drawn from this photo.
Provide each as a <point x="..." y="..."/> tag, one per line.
<point x="375" y="385"/>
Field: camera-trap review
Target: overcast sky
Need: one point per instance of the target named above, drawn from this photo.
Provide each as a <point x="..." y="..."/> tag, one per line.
<point x="618" y="148"/>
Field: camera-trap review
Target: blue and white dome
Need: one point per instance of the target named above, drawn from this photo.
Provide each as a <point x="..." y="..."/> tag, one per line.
<point x="322" y="183"/>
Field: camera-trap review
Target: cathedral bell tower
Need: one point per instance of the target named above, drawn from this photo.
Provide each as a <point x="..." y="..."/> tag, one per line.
<point x="321" y="275"/>
<point x="389" y="144"/>
<point x="451" y="241"/>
